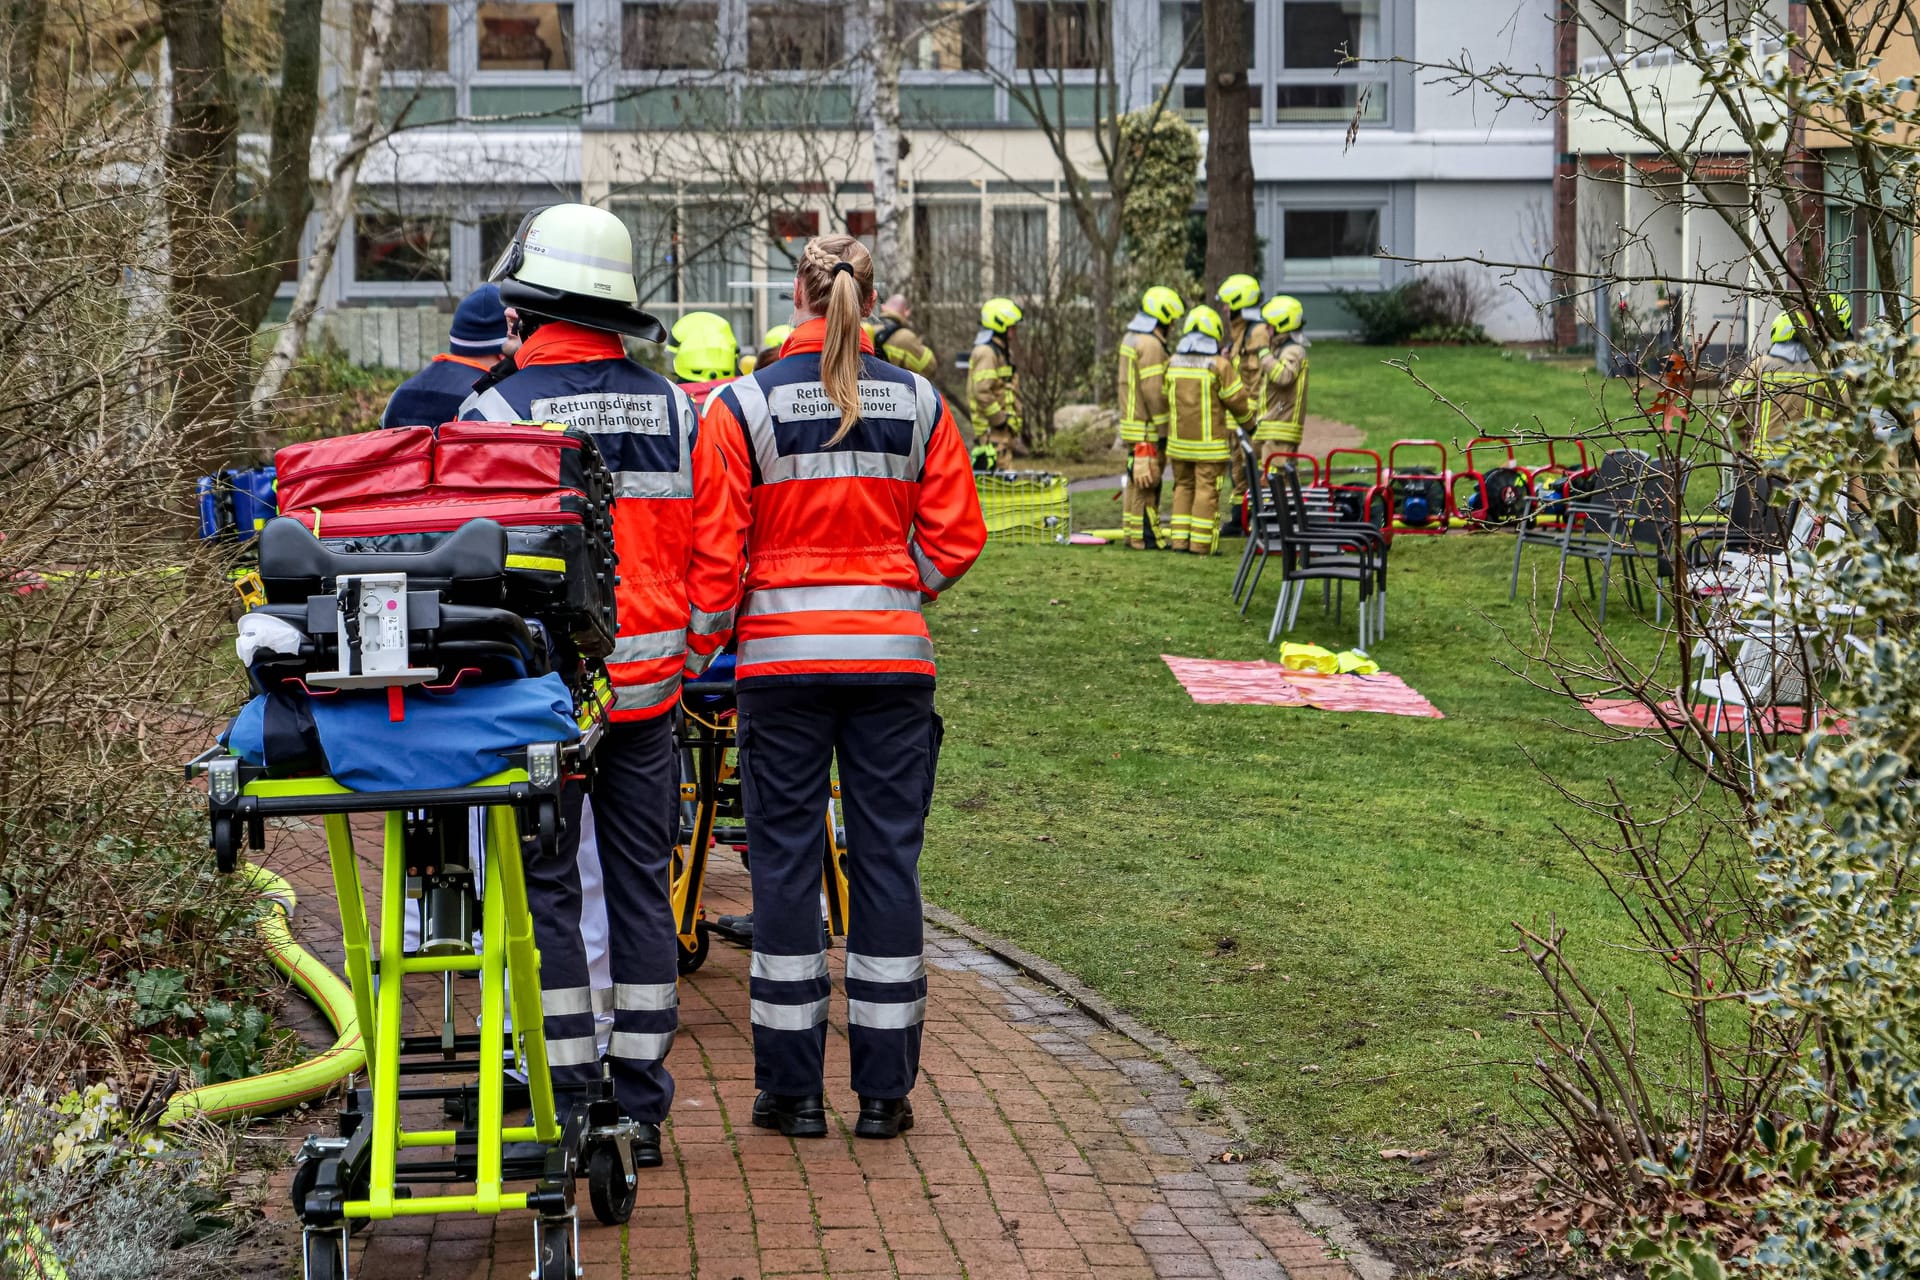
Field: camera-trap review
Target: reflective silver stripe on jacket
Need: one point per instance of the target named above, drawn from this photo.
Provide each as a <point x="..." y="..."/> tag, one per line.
<point x="833" y="463"/>
<point x="640" y="697"/>
<point x="640" y="1046"/>
<point x="647" y="645"/>
<point x="886" y="1015"/>
<point x="788" y="968"/>
<point x="645" y="997"/>
<point x="930" y="577"/>
<point x="836" y="648"/>
<point x="573" y="1051"/>
<point x="558" y="1002"/>
<point x="698" y="662"/>
<point x="490" y="405"/>
<point x="821" y="599"/>
<point x="885" y="968"/>
<point x="705" y="623"/>
<point x="787" y="1017"/>
<point x="664" y="484"/>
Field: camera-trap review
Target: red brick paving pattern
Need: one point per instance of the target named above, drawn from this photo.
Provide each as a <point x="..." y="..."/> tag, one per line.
<point x="1044" y="1146"/>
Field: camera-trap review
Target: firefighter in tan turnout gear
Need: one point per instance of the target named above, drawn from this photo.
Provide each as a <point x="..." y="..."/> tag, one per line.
<point x="1246" y="342"/>
<point x="993" y="387"/>
<point x="1281" y="411"/>
<point x="1143" y="412"/>
<point x="1207" y="401"/>
<point x="1782" y="386"/>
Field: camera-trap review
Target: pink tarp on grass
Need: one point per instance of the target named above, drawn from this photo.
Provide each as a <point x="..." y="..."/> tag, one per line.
<point x="1627" y="714"/>
<point x="1268" y="684"/>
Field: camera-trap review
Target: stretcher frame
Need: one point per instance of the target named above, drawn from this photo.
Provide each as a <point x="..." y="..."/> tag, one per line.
<point x="710" y="790"/>
<point x="359" y="1176"/>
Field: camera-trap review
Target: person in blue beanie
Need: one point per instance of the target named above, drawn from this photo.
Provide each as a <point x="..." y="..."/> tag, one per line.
<point x="479" y="343"/>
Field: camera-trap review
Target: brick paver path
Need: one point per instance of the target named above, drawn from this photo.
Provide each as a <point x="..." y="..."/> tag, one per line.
<point x="1044" y="1146"/>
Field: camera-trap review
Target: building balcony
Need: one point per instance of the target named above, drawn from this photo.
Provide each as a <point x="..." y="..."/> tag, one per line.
<point x="1656" y="102"/>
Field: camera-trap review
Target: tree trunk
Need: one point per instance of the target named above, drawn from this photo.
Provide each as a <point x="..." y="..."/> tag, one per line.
<point x="1566" y="209"/>
<point x="1230" y="231"/>
<point x="281" y="217"/>
<point x="889" y="266"/>
<point x="346" y="176"/>
<point x="200" y="152"/>
<point x="26" y="20"/>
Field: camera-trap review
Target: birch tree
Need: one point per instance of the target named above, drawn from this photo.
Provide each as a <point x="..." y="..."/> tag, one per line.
<point x="365" y="131"/>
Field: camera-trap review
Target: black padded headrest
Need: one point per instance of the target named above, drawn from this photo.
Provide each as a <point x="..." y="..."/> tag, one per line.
<point x="468" y="567"/>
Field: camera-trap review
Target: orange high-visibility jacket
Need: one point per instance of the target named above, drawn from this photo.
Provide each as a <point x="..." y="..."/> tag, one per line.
<point x="663" y="470"/>
<point x="836" y="548"/>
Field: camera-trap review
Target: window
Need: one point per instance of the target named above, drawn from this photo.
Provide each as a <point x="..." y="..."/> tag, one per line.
<point x="1019" y="249"/>
<point x="391" y="248"/>
<point x="1055" y="35"/>
<point x="788" y="231"/>
<point x="1181" y="42"/>
<point x="795" y="35"/>
<point x="667" y="35"/>
<point x="687" y="258"/>
<point x="943" y="36"/>
<point x="1330" y="245"/>
<point x="946" y="249"/>
<point x="419" y="37"/>
<point x="1316" y="82"/>
<point x="1182" y="46"/>
<point x="525" y="37"/>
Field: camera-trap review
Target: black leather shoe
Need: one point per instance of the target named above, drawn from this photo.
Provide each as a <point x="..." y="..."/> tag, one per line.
<point x="804" y="1117"/>
<point x="646" y="1147"/>
<point x="883" y="1118"/>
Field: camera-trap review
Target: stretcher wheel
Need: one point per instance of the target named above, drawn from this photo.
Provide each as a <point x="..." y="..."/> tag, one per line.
<point x="305" y="1174"/>
<point x="325" y="1252"/>
<point x="690" y="961"/>
<point x="226" y="843"/>
<point x="608" y="1186"/>
<point x="555" y="1260"/>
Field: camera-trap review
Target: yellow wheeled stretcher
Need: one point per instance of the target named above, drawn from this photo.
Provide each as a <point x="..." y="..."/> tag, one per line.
<point x="712" y="813"/>
<point x="379" y="654"/>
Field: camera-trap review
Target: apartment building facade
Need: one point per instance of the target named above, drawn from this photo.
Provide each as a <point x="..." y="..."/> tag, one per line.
<point x="727" y="131"/>
<point x="1678" y="234"/>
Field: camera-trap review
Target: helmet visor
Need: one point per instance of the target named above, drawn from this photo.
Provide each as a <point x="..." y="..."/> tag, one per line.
<point x="514" y="256"/>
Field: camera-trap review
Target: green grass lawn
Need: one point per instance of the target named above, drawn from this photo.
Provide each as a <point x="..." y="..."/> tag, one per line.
<point x="1506" y="393"/>
<point x="1317" y="903"/>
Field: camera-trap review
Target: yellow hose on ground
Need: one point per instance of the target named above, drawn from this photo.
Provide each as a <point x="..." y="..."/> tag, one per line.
<point x="278" y="1090"/>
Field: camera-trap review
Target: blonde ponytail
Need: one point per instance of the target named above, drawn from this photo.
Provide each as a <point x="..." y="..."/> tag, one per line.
<point x="839" y="270"/>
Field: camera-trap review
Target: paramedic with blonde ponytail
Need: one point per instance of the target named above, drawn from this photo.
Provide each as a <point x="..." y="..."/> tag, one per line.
<point x="849" y="502"/>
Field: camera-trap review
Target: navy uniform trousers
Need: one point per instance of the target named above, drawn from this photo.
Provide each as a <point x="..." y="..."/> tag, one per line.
<point x="886" y="739"/>
<point x="635" y="818"/>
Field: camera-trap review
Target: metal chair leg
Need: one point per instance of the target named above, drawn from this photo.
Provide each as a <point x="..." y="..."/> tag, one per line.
<point x="1253" y="583"/>
<point x="1279" y="608"/>
<point x="1519" y="544"/>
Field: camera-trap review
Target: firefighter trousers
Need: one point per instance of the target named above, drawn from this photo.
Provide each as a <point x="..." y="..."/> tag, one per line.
<point x="1196" y="505"/>
<point x="886" y="740"/>
<point x="635" y="822"/>
<point x="1143" y="497"/>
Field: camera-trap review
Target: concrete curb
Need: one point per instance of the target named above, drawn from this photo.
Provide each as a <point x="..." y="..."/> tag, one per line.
<point x="1322" y="1215"/>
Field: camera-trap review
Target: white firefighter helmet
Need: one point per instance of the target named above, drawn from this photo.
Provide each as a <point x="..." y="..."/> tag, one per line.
<point x="575" y="262"/>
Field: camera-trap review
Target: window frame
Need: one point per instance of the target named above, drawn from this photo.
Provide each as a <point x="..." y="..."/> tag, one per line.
<point x="1394" y="201"/>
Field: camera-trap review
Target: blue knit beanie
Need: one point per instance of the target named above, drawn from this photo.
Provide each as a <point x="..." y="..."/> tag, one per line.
<point x="479" y="323"/>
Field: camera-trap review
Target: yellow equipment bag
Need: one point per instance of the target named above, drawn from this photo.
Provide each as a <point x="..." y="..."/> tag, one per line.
<point x="1308" y="657"/>
<point x="1354" y="662"/>
<point x="1024" y="506"/>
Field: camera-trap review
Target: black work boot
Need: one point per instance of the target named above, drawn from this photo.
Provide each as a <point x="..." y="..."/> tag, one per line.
<point x="646" y="1146"/>
<point x="883" y="1118"/>
<point x="796" y="1117"/>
